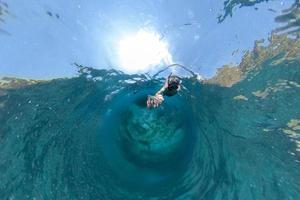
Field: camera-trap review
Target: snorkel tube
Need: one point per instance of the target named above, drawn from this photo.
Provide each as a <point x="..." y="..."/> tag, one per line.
<point x="173" y="65"/>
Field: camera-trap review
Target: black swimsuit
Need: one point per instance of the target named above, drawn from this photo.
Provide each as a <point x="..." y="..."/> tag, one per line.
<point x="170" y="92"/>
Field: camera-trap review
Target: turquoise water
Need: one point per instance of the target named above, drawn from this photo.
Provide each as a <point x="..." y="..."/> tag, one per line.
<point x="91" y="137"/>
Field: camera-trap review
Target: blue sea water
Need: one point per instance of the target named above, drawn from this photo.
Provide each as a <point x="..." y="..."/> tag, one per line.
<point x="92" y="137"/>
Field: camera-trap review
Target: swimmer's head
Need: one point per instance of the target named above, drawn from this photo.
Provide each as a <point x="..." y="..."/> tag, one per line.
<point x="173" y="82"/>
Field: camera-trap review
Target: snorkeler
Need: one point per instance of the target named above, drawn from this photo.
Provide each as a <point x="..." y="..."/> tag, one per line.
<point x="170" y="88"/>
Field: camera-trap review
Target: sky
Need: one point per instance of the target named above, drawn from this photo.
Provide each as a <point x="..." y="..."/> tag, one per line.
<point x="44" y="37"/>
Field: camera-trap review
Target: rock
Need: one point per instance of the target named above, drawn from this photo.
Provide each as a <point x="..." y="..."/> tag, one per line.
<point x="240" y="97"/>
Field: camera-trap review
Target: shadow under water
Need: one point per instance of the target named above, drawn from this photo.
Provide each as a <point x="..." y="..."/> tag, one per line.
<point x="92" y="137"/>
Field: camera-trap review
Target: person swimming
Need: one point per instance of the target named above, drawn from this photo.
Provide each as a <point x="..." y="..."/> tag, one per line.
<point x="170" y="88"/>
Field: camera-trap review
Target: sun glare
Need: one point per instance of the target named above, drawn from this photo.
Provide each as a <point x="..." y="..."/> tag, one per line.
<point x="142" y="51"/>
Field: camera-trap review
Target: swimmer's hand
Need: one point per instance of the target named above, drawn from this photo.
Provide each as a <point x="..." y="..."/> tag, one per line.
<point x="154" y="101"/>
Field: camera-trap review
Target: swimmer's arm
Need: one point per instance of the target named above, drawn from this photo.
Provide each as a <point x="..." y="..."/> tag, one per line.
<point x="163" y="88"/>
<point x="160" y="91"/>
<point x="179" y="88"/>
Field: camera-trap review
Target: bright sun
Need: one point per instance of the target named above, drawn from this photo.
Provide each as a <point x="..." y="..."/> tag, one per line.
<point x="140" y="52"/>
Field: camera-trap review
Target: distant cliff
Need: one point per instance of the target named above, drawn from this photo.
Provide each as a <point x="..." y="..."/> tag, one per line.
<point x="279" y="45"/>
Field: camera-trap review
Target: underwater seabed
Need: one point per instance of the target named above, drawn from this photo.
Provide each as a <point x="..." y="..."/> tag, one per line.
<point x="92" y="137"/>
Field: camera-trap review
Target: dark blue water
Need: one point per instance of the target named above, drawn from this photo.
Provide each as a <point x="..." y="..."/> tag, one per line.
<point x="91" y="137"/>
